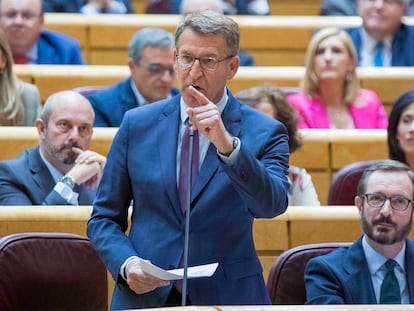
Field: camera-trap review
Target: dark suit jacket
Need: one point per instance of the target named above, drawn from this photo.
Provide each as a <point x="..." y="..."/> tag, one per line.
<point x="402" y="45"/>
<point x="59" y="49"/>
<point x="26" y="180"/>
<point x="343" y="277"/>
<point x="110" y="104"/>
<point x="225" y="200"/>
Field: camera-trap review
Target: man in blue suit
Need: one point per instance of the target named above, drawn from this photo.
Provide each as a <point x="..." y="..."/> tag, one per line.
<point x="357" y="274"/>
<point x="242" y="174"/>
<point x="383" y="39"/>
<point x="61" y="170"/>
<point x="22" y="21"/>
<point x="150" y="60"/>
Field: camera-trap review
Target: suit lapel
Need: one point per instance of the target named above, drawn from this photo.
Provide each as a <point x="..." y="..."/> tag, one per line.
<point x="359" y="281"/>
<point x="409" y="266"/>
<point x="232" y="121"/>
<point x="41" y="175"/>
<point x="167" y="136"/>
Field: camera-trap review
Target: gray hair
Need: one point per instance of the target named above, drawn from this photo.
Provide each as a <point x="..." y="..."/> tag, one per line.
<point x="386" y="166"/>
<point x="148" y="37"/>
<point x="210" y="22"/>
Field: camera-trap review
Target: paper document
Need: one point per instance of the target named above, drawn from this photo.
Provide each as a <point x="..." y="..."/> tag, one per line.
<point x="177" y="274"/>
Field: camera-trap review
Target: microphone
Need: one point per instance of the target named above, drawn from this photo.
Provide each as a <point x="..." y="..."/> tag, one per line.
<point x="189" y="124"/>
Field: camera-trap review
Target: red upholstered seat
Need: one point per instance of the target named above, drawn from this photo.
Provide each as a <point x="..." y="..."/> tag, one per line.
<point x="285" y="283"/>
<point x="51" y="271"/>
<point x="344" y="185"/>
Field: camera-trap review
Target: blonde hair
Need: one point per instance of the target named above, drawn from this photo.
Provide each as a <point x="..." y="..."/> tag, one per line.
<point x="310" y="83"/>
<point x="11" y="106"/>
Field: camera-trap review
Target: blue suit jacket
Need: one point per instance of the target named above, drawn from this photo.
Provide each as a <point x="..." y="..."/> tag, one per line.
<point x="402" y="45"/>
<point x="141" y="166"/>
<point x="26" y="180"/>
<point x="110" y="104"/>
<point x="59" y="49"/>
<point x="343" y="277"/>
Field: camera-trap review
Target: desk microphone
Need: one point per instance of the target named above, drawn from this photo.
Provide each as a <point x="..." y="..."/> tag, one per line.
<point x="189" y="124"/>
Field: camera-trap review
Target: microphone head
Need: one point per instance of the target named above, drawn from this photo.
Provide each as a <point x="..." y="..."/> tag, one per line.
<point x="189" y="123"/>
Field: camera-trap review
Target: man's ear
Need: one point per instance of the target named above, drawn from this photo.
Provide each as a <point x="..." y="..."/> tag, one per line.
<point x="359" y="203"/>
<point x="233" y="67"/>
<point x="41" y="128"/>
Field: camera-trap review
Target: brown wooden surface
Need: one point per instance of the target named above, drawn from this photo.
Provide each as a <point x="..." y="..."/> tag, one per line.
<point x="323" y="153"/>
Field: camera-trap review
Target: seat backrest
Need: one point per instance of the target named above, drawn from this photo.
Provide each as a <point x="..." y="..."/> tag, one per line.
<point x="285" y="283"/>
<point x="51" y="271"/>
<point x="344" y="185"/>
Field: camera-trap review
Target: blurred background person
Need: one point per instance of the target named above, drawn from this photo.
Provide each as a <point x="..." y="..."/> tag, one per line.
<point x="188" y="6"/>
<point x="233" y="7"/>
<point x="383" y="39"/>
<point x="400" y="135"/>
<point x="22" y="21"/>
<point x="271" y="101"/>
<point x="94" y="7"/>
<point x="330" y="95"/>
<point x="74" y="6"/>
<point x="348" y="7"/>
<point x="150" y="60"/>
<point x="19" y="101"/>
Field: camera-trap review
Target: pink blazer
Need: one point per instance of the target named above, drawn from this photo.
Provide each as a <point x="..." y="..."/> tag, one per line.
<point x="313" y="114"/>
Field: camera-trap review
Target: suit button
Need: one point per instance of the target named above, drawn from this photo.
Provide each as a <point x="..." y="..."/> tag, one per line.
<point x="244" y="176"/>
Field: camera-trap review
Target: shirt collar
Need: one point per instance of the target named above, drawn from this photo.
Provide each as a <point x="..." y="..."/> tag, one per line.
<point x="371" y="43"/>
<point x="221" y="104"/>
<point x="140" y="99"/>
<point x="376" y="260"/>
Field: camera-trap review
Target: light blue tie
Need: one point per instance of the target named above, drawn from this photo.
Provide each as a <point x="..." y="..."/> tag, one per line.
<point x="378" y="55"/>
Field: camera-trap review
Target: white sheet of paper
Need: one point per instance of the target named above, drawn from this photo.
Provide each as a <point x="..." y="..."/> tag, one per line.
<point x="178" y="274"/>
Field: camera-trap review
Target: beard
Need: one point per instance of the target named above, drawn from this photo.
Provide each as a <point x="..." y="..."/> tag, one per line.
<point x="384" y="236"/>
<point x="62" y="153"/>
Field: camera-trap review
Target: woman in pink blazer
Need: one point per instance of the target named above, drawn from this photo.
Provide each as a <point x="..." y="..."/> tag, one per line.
<point x="331" y="96"/>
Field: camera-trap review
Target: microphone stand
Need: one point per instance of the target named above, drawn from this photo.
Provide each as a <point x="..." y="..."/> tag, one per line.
<point x="187" y="210"/>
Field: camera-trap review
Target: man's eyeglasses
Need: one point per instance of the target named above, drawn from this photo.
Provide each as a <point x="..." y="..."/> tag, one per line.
<point x="25" y="16"/>
<point x="207" y="63"/>
<point x="158" y="69"/>
<point x="397" y="202"/>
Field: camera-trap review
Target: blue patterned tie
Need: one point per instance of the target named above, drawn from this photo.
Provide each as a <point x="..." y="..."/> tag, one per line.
<point x="390" y="290"/>
<point x="378" y="55"/>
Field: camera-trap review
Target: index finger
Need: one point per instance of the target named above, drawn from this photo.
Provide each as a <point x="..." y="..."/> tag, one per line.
<point x="200" y="97"/>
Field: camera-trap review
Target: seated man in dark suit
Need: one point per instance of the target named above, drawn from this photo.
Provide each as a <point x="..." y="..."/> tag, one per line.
<point x="383" y="39"/>
<point x="61" y="170"/>
<point x="23" y="21"/>
<point x="379" y="266"/>
<point x="74" y="6"/>
<point x="151" y="60"/>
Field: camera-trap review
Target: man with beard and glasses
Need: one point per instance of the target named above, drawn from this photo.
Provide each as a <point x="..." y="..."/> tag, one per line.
<point x="379" y="266"/>
<point x="60" y="170"/>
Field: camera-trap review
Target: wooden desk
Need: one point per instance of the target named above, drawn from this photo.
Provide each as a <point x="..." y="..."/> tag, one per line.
<point x="323" y="153"/>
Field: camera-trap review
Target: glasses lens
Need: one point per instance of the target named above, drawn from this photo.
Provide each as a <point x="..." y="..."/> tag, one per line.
<point x="399" y="203"/>
<point x="376" y="199"/>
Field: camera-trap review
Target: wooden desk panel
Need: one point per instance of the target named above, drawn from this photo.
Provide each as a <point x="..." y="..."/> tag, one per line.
<point x="348" y="146"/>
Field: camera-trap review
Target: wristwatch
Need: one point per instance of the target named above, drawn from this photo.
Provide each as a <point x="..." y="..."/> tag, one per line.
<point x="68" y="181"/>
<point x="235" y="144"/>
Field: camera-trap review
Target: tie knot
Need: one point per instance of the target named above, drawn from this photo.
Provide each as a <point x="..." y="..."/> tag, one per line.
<point x="390" y="264"/>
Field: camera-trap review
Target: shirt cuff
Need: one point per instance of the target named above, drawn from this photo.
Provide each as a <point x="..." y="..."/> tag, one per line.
<point x="231" y="159"/>
<point x="67" y="193"/>
<point x="122" y="271"/>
